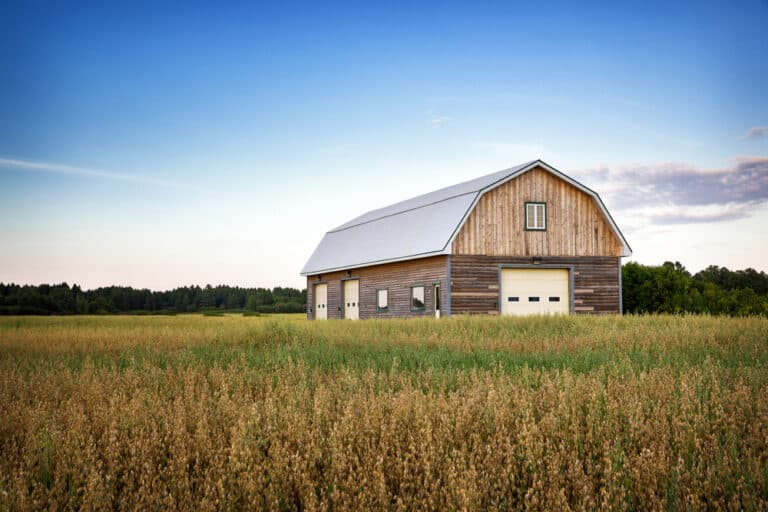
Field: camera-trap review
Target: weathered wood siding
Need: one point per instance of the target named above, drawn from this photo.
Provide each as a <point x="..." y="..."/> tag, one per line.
<point x="475" y="283"/>
<point x="396" y="277"/>
<point x="575" y="224"/>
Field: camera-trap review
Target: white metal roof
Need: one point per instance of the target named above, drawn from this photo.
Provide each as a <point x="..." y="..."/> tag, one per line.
<point x="421" y="226"/>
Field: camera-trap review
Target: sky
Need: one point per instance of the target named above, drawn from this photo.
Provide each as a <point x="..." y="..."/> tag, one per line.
<point x="146" y="145"/>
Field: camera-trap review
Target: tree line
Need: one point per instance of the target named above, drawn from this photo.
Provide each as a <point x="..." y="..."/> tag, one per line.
<point x="62" y="299"/>
<point x="670" y="288"/>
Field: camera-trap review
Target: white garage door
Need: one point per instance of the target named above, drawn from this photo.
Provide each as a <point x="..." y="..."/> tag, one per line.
<point x="531" y="291"/>
<point x="352" y="299"/>
<point x="321" y="301"/>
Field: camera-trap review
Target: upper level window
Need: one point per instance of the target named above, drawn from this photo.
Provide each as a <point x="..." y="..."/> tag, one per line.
<point x="417" y="298"/>
<point x="382" y="300"/>
<point x="536" y="216"/>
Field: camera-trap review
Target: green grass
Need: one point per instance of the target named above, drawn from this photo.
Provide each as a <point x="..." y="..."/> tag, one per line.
<point x="577" y="344"/>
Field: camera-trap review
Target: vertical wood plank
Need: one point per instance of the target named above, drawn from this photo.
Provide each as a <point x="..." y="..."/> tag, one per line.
<point x="575" y="225"/>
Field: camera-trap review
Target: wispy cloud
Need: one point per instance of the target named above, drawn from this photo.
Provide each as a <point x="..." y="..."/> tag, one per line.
<point x="31" y="166"/>
<point x="677" y="193"/>
<point x="756" y="132"/>
<point x="438" y="121"/>
<point x="707" y="215"/>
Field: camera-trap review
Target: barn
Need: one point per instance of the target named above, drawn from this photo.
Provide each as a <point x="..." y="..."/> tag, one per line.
<point x="525" y="240"/>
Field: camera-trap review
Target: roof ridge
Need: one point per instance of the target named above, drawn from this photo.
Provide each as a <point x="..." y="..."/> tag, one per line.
<point x="507" y="172"/>
<point x="344" y="226"/>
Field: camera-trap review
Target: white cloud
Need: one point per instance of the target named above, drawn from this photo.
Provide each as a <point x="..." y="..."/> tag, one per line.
<point x="756" y="132"/>
<point x="31" y="166"/>
<point x="438" y="121"/>
<point x="679" y="193"/>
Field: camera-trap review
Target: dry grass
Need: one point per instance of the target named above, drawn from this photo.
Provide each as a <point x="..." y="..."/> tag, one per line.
<point x="208" y="413"/>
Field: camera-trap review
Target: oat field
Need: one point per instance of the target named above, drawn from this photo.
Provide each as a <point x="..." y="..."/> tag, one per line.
<point x="277" y="413"/>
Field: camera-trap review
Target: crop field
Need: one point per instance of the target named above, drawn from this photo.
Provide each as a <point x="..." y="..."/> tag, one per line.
<point x="277" y="413"/>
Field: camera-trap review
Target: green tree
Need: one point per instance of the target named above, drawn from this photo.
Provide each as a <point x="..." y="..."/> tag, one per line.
<point x="257" y="298"/>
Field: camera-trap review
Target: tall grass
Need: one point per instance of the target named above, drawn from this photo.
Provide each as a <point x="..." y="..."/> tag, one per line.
<point x="229" y="413"/>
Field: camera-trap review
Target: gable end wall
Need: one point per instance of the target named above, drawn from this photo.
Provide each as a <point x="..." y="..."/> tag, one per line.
<point x="575" y="223"/>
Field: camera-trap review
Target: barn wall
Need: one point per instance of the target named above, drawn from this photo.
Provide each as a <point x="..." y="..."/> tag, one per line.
<point x="575" y="224"/>
<point x="475" y="283"/>
<point x="396" y="277"/>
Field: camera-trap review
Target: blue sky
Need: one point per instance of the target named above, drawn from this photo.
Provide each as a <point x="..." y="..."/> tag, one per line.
<point x="151" y="146"/>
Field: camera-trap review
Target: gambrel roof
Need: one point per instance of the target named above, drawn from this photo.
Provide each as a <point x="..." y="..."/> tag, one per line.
<point x="422" y="226"/>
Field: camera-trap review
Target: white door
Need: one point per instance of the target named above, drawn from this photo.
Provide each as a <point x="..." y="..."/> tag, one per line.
<point x="532" y="291"/>
<point x="352" y="299"/>
<point x="321" y="301"/>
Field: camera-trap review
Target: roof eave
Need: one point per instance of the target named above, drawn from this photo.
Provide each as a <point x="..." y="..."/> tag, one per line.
<point x="309" y="273"/>
<point x="626" y="249"/>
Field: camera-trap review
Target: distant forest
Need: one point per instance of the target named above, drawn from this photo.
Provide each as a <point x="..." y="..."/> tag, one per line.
<point x="61" y="299"/>
<point x="668" y="288"/>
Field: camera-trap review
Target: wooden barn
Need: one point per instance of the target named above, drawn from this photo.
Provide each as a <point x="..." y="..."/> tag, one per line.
<point x="526" y="240"/>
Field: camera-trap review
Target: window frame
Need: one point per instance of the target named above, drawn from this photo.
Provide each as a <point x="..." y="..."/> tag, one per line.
<point x="380" y="309"/>
<point x="424" y="298"/>
<point x="537" y="203"/>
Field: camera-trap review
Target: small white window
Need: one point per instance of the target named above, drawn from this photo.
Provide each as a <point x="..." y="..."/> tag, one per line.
<point x="536" y="216"/>
<point x="417" y="298"/>
<point x="382" y="300"/>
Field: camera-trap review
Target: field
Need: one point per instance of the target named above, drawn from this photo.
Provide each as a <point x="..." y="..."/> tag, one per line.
<point x="232" y="412"/>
